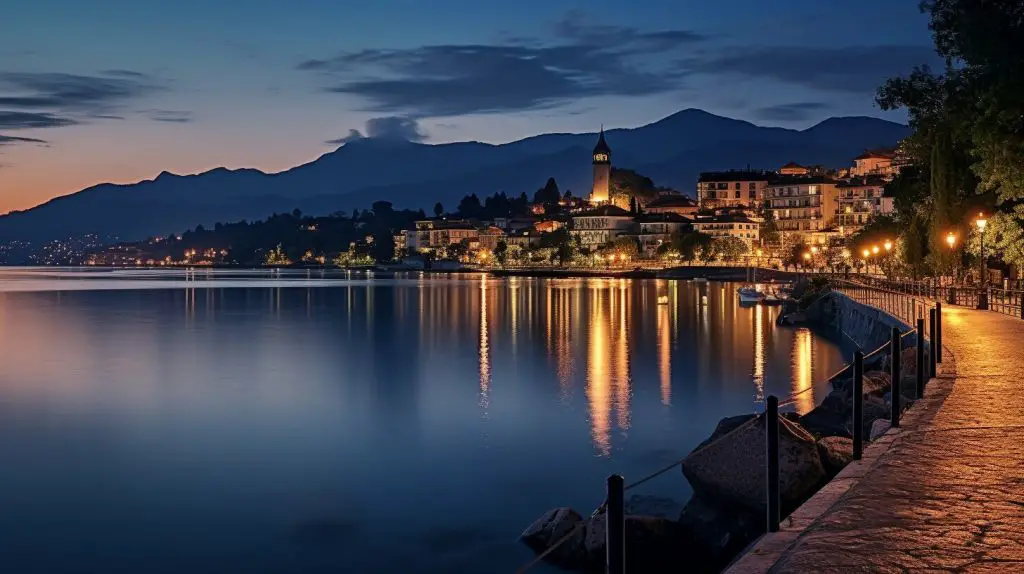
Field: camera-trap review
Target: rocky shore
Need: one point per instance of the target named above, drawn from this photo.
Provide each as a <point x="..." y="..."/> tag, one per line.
<point x="727" y="473"/>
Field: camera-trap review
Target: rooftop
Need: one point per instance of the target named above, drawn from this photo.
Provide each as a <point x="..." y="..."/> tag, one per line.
<point x="729" y="218"/>
<point x="876" y="154"/>
<point x="735" y="175"/>
<point x="606" y="210"/>
<point x="801" y="180"/>
<point x="671" y="201"/>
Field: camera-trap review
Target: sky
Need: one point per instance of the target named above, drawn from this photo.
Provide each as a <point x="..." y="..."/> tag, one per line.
<point x="120" y="90"/>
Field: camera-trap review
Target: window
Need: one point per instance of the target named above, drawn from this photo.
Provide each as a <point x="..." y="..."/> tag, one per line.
<point x="737" y="185"/>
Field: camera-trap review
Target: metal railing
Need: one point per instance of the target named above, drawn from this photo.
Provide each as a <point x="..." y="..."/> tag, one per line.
<point x="1006" y="298"/>
<point x="909" y="307"/>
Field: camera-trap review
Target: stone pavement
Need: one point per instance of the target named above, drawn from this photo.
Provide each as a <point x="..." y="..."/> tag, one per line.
<point x="945" y="492"/>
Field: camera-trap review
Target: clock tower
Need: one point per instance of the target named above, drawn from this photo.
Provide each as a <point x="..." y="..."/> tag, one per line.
<point x="602" y="171"/>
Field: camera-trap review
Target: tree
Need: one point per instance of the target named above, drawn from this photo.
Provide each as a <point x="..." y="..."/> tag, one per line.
<point x="383" y="210"/>
<point x="438" y="209"/>
<point x="564" y="244"/>
<point x="731" y="248"/>
<point x="627" y="247"/>
<point x="383" y="246"/>
<point x="501" y="252"/>
<point x="692" y="244"/>
<point x="470" y="206"/>
<point x="549" y="194"/>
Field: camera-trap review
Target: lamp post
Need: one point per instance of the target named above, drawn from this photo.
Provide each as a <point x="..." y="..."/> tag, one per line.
<point x="951" y="241"/>
<point x="981" y="222"/>
<point x="867" y="255"/>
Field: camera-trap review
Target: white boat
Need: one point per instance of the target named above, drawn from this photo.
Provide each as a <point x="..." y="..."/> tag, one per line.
<point x="700" y="279"/>
<point x="750" y="294"/>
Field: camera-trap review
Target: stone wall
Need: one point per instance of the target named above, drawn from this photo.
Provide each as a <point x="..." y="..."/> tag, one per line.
<point x="867" y="327"/>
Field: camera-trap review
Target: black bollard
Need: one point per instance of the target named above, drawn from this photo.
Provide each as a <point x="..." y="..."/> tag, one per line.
<point x="938" y="332"/>
<point x="615" y="529"/>
<point x="920" y="359"/>
<point x="771" y="421"/>
<point x="895" y="350"/>
<point x="931" y="329"/>
<point x="858" y="404"/>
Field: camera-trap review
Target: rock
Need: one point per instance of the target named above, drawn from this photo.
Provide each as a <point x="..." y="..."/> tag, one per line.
<point x="718" y="533"/>
<point x="876" y="383"/>
<point x="730" y="470"/>
<point x="838" y="401"/>
<point x="725" y="426"/>
<point x="879" y="428"/>
<point x="549" y="529"/>
<point x="824" y="421"/>
<point x="836" y="452"/>
<point x="651" y="543"/>
<point x="908" y="365"/>
<point x="905" y="402"/>
<point x="656" y="506"/>
<point x="874" y="408"/>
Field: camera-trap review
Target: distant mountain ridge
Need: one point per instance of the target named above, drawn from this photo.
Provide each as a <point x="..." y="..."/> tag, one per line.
<point x="671" y="151"/>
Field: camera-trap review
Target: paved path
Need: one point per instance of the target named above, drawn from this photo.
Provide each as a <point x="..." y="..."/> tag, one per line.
<point x="946" y="495"/>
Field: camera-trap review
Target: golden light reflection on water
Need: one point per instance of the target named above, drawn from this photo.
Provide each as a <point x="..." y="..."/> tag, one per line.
<point x="485" y="352"/>
<point x="759" y="343"/>
<point x="598" y="379"/>
<point x="803" y="370"/>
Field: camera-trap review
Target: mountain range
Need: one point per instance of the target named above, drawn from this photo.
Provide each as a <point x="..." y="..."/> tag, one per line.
<point x="671" y="151"/>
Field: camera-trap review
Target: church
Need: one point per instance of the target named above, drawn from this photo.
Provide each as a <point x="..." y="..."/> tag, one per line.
<point x="600" y="192"/>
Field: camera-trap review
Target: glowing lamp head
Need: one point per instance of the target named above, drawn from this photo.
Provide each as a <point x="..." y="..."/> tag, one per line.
<point x="887" y="245"/>
<point x="981" y="222"/>
<point x="807" y="256"/>
<point x="814" y="249"/>
<point x="866" y="253"/>
<point x="951" y="239"/>
<point x="875" y="250"/>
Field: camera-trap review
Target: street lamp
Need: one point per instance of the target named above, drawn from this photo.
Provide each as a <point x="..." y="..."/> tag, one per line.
<point x="888" y="245"/>
<point x="867" y="255"/>
<point x="951" y="241"/>
<point x="875" y="250"/>
<point x="981" y="222"/>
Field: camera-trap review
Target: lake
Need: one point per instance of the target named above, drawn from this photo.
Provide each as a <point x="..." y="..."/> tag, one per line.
<point x="302" y="422"/>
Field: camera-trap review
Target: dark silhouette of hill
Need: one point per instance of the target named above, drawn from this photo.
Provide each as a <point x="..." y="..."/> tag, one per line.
<point x="671" y="151"/>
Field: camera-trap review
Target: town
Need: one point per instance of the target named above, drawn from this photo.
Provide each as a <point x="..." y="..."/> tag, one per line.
<point x="795" y="215"/>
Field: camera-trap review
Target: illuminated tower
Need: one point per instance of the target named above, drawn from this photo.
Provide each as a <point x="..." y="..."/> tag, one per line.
<point x="602" y="170"/>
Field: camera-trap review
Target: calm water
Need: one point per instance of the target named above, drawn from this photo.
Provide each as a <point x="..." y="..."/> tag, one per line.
<point x="353" y="424"/>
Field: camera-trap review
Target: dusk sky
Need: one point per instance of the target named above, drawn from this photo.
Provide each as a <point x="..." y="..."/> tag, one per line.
<point x="120" y="90"/>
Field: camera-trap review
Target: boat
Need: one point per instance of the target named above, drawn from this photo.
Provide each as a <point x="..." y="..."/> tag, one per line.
<point x="700" y="279"/>
<point x="750" y="294"/>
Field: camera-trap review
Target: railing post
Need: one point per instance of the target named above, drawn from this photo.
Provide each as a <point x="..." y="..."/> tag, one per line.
<point x="771" y="421"/>
<point x="938" y="332"/>
<point x="896" y="352"/>
<point x="920" y="359"/>
<point x="615" y="530"/>
<point x="858" y="404"/>
<point x="932" y="341"/>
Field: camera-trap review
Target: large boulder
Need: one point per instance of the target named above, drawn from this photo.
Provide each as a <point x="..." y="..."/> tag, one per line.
<point x="725" y="426"/>
<point x="824" y="421"/>
<point x="551" y="527"/>
<point x="836" y="452"/>
<point x="731" y="469"/>
<point x="908" y="364"/>
<point x="651" y="543"/>
<point x="656" y="506"/>
<point x="717" y="532"/>
<point x="876" y="383"/>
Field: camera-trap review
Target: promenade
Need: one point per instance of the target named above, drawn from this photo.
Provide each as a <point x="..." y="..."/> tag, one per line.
<point x="945" y="492"/>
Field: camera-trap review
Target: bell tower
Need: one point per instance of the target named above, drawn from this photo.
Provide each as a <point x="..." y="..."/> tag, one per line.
<point x="602" y="171"/>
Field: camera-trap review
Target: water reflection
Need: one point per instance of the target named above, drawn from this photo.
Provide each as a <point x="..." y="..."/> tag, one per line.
<point x="803" y="370"/>
<point x="249" y="410"/>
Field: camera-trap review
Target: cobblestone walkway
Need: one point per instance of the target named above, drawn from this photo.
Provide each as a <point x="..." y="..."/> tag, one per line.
<point x="948" y="496"/>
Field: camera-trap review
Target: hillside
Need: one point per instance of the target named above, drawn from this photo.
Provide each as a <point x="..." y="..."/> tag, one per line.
<point x="671" y="151"/>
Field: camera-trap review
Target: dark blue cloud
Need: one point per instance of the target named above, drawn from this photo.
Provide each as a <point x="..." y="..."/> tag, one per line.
<point x="852" y="69"/>
<point x="169" y="116"/>
<point x="393" y="128"/>
<point x="73" y="92"/>
<point x="10" y="120"/>
<point x="7" y="140"/>
<point x="512" y="75"/>
<point x="791" y="112"/>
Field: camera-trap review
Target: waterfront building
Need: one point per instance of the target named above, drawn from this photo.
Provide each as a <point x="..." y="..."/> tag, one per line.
<point x="859" y="201"/>
<point x="653" y="230"/>
<point x="489" y="237"/>
<point x="730" y="225"/>
<point x="602" y="161"/>
<point x="879" y="163"/>
<point x="793" y="168"/>
<point x="731" y="188"/>
<point x="801" y="205"/>
<point x="677" y="204"/>
<point x="432" y="234"/>
<point x="600" y="225"/>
